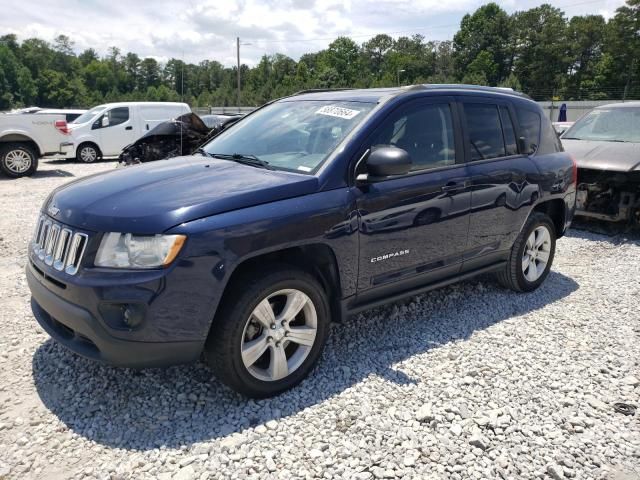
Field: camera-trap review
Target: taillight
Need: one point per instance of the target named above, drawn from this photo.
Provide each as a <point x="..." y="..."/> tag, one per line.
<point x="62" y="127"/>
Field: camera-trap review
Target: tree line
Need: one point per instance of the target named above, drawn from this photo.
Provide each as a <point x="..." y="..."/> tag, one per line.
<point x="538" y="51"/>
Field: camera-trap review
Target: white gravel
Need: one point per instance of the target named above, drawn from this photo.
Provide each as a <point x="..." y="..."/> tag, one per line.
<point x="470" y="381"/>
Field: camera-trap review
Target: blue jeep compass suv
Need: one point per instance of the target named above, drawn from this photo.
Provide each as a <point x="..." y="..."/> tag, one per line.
<point x="311" y="208"/>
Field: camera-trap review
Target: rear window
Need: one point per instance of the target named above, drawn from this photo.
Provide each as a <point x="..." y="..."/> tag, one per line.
<point x="509" y="133"/>
<point x="485" y="131"/>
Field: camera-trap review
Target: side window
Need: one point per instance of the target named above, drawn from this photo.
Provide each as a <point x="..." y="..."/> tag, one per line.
<point x="485" y="131"/>
<point x="424" y="131"/>
<point x="118" y="115"/>
<point x="509" y="133"/>
<point x="530" y="127"/>
<point x="549" y="141"/>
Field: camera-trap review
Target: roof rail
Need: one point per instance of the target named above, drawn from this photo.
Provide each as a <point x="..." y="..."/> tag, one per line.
<point x="464" y="86"/>
<point x="316" y="90"/>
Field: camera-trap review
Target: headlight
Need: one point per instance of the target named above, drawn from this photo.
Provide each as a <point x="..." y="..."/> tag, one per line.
<point x="125" y="250"/>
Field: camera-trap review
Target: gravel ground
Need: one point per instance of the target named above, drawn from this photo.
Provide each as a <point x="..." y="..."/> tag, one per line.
<point x="470" y="381"/>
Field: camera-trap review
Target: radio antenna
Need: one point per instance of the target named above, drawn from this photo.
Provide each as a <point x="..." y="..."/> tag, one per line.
<point x="181" y="99"/>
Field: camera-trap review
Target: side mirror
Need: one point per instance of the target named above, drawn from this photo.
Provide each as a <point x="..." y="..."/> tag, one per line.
<point x="385" y="162"/>
<point x="105" y="121"/>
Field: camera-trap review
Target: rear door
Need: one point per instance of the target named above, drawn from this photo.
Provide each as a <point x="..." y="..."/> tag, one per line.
<point x="504" y="181"/>
<point x="413" y="229"/>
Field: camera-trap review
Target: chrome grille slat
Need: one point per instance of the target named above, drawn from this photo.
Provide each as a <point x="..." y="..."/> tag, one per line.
<point x="58" y="245"/>
<point x="76" y="251"/>
<point x="52" y="241"/>
<point x="62" y="248"/>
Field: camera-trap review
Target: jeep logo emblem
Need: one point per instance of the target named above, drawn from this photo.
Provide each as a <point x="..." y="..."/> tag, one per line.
<point x="53" y="210"/>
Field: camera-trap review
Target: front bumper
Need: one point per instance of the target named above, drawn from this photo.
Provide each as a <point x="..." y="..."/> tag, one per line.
<point x="78" y="330"/>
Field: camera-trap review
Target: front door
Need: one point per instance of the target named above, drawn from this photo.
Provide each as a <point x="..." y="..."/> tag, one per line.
<point x="413" y="229"/>
<point x="117" y="132"/>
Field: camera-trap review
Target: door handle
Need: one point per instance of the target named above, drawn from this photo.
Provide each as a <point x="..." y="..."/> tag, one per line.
<point x="129" y="128"/>
<point x="453" y="186"/>
<point x="147" y="126"/>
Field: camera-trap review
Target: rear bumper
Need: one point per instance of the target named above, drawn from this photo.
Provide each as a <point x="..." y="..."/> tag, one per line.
<point x="570" y="210"/>
<point x="77" y="329"/>
<point x="67" y="148"/>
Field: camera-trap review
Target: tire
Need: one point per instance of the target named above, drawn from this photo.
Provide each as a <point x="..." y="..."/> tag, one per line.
<point x="525" y="278"/>
<point x="87" y="153"/>
<point x="18" y="160"/>
<point x="237" y="327"/>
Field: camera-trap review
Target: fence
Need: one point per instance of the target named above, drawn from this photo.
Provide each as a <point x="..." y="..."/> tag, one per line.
<point x="221" y="110"/>
<point x="575" y="109"/>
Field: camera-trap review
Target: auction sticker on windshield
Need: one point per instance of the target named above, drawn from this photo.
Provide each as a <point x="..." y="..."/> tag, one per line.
<point x="339" y="112"/>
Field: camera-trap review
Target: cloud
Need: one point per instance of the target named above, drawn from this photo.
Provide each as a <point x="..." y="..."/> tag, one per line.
<point x="207" y="29"/>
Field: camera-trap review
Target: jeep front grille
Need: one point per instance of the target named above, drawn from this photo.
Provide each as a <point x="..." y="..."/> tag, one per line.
<point x="59" y="246"/>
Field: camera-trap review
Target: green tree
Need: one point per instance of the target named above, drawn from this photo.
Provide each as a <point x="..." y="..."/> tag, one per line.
<point x="482" y="46"/>
<point x="585" y="36"/>
<point x="541" y="61"/>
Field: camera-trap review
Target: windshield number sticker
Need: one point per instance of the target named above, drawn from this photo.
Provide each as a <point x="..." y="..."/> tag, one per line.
<point x="339" y="112"/>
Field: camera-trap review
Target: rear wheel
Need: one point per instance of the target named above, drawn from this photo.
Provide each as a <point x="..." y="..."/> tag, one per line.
<point x="531" y="255"/>
<point x="87" y="153"/>
<point x="18" y="160"/>
<point x="269" y="332"/>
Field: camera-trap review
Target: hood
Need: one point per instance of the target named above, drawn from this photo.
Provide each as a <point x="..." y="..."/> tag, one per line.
<point x="154" y="197"/>
<point x="599" y="155"/>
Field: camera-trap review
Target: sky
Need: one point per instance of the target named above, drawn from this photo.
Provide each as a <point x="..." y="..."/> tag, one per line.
<point x="195" y="30"/>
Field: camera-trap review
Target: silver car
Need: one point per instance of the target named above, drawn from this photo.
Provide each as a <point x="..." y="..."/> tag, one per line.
<point x="606" y="145"/>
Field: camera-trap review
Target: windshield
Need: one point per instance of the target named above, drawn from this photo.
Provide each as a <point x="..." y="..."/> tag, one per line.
<point x="614" y="125"/>
<point x="297" y="135"/>
<point x="86" y="116"/>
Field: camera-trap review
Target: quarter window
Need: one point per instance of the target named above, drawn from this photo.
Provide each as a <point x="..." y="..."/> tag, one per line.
<point x="485" y="131"/>
<point x="424" y="131"/>
<point x="118" y="115"/>
<point x="530" y="126"/>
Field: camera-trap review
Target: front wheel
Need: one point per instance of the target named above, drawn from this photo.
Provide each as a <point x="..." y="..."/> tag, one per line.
<point x="87" y="153"/>
<point x="531" y="255"/>
<point x="269" y="332"/>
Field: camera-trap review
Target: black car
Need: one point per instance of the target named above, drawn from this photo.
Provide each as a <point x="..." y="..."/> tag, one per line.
<point x="311" y="208"/>
<point x="180" y="136"/>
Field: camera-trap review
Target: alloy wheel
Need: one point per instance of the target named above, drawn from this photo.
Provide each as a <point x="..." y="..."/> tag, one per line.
<point x="536" y="253"/>
<point x="279" y="335"/>
<point x="17" y="161"/>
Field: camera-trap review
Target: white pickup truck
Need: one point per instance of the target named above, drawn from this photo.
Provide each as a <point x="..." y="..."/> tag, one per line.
<point x="26" y="138"/>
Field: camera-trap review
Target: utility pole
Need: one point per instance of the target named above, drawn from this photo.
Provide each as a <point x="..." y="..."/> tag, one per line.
<point x="238" y="51"/>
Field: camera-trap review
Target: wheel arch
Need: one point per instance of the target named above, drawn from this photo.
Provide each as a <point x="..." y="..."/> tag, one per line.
<point x="89" y="142"/>
<point x="317" y="259"/>
<point x="555" y="209"/>
<point x="16" y="137"/>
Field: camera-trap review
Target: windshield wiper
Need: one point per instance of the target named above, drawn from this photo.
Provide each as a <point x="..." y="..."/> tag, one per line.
<point x="203" y="152"/>
<point x="244" y="159"/>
